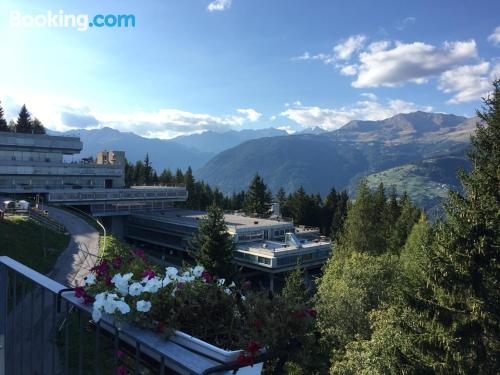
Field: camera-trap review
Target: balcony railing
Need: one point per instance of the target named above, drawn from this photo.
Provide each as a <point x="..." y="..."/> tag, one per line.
<point x="45" y="330"/>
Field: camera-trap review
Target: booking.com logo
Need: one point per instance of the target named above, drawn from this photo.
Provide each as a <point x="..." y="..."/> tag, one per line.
<point x="80" y="22"/>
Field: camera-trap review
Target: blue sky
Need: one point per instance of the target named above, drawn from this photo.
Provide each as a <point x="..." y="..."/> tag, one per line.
<point x="195" y="65"/>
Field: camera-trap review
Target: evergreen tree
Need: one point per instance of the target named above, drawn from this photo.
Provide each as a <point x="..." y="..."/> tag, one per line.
<point x="179" y="176"/>
<point x="37" y="127"/>
<point x="12" y="126"/>
<point x="139" y="173"/>
<point x="281" y="198"/>
<point x="339" y="215"/>
<point x="189" y="184"/>
<point x="465" y="269"/>
<point x="166" y="177"/>
<point x="24" y="122"/>
<point x="258" y="198"/>
<point x="147" y="171"/>
<point x="3" y="122"/>
<point x="129" y="174"/>
<point x="212" y="245"/>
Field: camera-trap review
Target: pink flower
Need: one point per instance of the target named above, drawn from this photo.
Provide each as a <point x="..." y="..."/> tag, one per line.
<point x="88" y="299"/>
<point x="140" y="253"/>
<point x="207" y="277"/>
<point x="121" y="370"/>
<point x="79" y="292"/>
<point x="253" y="347"/>
<point x="117" y="262"/>
<point x="149" y="274"/>
<point x="245" y="359"/>
<point x="101" y="269"/>
<point x="108" y="280"/>
<point x="300" y="314"/>
<point x="312" y="313"/>
<point x="120" y="354"/>
<point x="180" y="285"/>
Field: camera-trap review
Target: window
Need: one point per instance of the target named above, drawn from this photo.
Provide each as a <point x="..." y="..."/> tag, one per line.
<point x="264" y="260"/>
<point x="251" y="236"/>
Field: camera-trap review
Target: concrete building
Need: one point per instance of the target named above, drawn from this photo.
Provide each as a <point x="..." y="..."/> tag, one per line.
<point x="34" y="165"/>
<point x="269" y="246"/>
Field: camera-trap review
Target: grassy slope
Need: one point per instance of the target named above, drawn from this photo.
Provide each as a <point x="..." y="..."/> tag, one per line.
<point x="25" y="242"/>
<point x="427" y="183"/>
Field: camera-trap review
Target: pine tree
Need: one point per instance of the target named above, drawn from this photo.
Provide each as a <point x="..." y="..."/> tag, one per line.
<point x="24" y="122"/>
<point x="166" y="177"/>
<point x="37" y="127"/>
<point x="339" y="215"/>
<point x="212" y="245"/>
<point x="147" y="170"/>
<point x="3" y="122"/>
<point x="258" y="198"/>
<point x="189" y="182"/>
<point x="465" y="272"/>
<point x="179" y="176"/>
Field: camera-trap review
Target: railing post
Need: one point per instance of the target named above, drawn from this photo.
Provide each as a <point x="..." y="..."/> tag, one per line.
<point x="4" y="287"/>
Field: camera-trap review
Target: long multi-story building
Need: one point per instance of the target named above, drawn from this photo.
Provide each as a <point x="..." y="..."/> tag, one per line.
<point x="266" y="246"/>
<point x="34" y="164"/>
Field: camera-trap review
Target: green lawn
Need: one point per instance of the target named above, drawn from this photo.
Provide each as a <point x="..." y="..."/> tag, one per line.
<point x="31" y="244"/>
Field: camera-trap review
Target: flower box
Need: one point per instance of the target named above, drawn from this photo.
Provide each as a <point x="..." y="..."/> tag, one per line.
<point x="213" y="352"/>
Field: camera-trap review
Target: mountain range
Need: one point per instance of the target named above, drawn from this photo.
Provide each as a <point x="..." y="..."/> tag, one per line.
<point x="181" y="152"/>
<point x="339" y="158"/>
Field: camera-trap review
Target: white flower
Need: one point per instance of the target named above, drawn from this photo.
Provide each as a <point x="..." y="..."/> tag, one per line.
<point x="227" y="291"/>
<point x="90" y="279"/>
<point x="186" y="277"/>
<point x="243" y="298"/>
<point x="152" y="285"/>
<point x="198" y="270"/>
<point x="166" y="281"/>
<point x="121" y="282"/>
<point x="171" y="272"/>
<point x="99" y="300"/>
<point x="232" y="285"/>
<point x="96" y="315"/>
<point x="143" y="306"/>
<point x="221" y="281"/>
<point x="123" y="307"/>
<point x="135" y="289"/>
<point x="110" y="303"/>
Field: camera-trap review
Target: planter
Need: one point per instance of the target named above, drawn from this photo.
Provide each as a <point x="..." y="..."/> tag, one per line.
<point x="211" y="351"/>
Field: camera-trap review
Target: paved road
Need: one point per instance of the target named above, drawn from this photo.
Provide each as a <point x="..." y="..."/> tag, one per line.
<point x="80" y="255"/>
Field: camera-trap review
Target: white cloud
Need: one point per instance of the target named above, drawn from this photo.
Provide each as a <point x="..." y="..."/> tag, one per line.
<point x="348" y="70"/>
<point x="325" y="58"/>
<point x="468" y="82"/>
<point x="495" y="37"/>
<point x="405" y="23"/>
<point x="341" y="51"/>
<point x="251" y="114"/>
<point x="371" y="96"/>
<point x="219" y="5"/>
<point x="346" y="48"/>
<point x="287" y="128"/>
<point x="61" y="114"/>
<point x="334" y="118"/>
<point x="413" y="62"/>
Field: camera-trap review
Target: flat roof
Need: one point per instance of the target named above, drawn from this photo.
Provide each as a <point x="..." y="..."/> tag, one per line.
<point x="192" y="217"/>
<point x="276" y="248"/>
